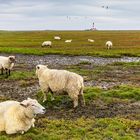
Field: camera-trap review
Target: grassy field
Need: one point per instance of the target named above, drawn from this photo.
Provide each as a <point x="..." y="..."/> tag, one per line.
<point x="109" y="114"/>
<point x="112" y="112"/>
<point x="126" y="43"/>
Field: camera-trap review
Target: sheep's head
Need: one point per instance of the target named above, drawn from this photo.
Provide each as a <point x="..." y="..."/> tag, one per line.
<point x="40" y="68"/>
<point x="37" y="108"/>
<point x="12" y="59"/>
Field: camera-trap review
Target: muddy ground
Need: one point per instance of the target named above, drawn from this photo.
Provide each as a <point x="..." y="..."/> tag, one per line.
<point x="114" y="76"/>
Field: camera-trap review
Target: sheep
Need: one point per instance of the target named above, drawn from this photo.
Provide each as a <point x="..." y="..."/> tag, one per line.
<point x="68" y="41"/>
<point x="109" y="44"/>
<point x="57" y="38"/>
<point x="7" y="63"/>
<point x="18" y="117"/>
<point x="47" y="43"/>
<point x="60" y="81"/>
<point x="90" y="40"/>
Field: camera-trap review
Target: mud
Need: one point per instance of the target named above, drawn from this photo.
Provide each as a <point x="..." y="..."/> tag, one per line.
<point x="13" y="89"/>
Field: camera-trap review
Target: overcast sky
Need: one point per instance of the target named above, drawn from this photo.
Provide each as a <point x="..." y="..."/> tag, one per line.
<point x="69" y="14"/>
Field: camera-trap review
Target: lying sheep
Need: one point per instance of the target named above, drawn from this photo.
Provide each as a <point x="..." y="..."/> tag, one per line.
<point x="18" y="117"/>
<point x="68" y="41"/>
<point x="57" y="38"/>
<point x="109" y="44"/>
<point x="58" y="81"/>
<point x="90" y="40"/>
<point x="7" y="63"/>
<point x="47" y="43"/>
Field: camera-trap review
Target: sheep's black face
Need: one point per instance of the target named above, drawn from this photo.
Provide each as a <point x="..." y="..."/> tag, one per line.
<point x="12" y="59"/>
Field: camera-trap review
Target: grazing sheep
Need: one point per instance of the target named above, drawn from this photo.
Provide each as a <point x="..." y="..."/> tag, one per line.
<point x="7" y="63"/>
<point x="68" y="41"/>
<point x="90" y="40"/>
<point x="60" y="81"/>
<point x="57" y="38"/>
<point x="18" y="117"/>
<point x="109" y="44"/>
<point x="47" y="43"/>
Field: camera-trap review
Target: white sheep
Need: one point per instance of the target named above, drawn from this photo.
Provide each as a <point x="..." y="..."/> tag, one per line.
<point x="47" y="43"/>
<point x="58" y="81"/>
<point x="18" y="117"/>
<point x="7" y="63"/>
<point x="109" y="44"/>
<point x="90" y="40"/>
<point x="57" y="38"/>
<point x="68" y="41"/>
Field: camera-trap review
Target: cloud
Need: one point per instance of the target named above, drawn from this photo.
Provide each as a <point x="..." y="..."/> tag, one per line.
<point x="52" y="14"/>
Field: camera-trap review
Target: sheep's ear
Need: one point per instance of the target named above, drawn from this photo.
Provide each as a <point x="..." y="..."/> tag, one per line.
<point x="24" y="104"/>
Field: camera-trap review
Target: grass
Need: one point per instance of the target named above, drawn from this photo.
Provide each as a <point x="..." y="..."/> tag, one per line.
<point x="81" y="129"/>
<point x="117" y="128"/>
<point x="19" y="75"/>
<point x="126" y="43"/>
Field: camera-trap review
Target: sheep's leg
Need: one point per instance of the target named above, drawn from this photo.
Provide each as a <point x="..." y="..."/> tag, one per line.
<point x="9" y="72"/>
<point x="75" y="99"/>
<point x="52" y="97"/>
<point x="45" y="96"/>
<point x="44" y="91"/>
<point x="81" y="97"/>
<point x="6" y="73"/>
<point x="2" y="71"/>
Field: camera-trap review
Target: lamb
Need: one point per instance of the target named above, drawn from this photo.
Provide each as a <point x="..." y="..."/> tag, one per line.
<point x="7" y="63"/>
<point x="109" y="44"/>
<point x="60" y="81"/>
<point x="68" y="41"/>
<point x="47" y="43"/>
<point x="57" y="38"/>
<point x="90" y="40"/>
<point x="18" y="117"/>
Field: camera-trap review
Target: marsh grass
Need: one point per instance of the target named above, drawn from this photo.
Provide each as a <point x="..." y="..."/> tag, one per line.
<point x="126" y="43"/>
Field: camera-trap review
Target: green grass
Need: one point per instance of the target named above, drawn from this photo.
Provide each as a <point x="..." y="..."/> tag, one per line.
<point x="126" y="43"/>
<point x="19" y="75"/>
<point x="81" y="129"/>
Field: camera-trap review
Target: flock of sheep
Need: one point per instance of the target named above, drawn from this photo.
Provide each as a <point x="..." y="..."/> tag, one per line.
<point x="18" y="117"/>
<point x="108" y="44"/>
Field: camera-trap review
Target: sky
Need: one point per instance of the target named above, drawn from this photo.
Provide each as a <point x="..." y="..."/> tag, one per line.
<point x="69" y="14"/>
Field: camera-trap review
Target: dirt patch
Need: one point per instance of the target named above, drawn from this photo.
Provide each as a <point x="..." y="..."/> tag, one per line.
<point x="21" y="89"/>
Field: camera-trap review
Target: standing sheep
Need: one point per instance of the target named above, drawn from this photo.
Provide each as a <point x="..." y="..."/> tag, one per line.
<point x="47" y="43"/>
<point x="109" y="44"/>
<point x="7" y="63"/>
<point x="58" y="81"/>
<point x="18" y="117"/>
<point x="57" y="38"/>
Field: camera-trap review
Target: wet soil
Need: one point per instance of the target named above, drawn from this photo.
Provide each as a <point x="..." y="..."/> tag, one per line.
<point x="13" y="89"/>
